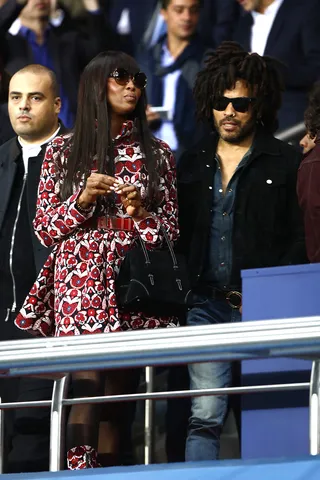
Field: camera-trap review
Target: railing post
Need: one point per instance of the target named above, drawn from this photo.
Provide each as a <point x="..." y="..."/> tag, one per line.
<point x="314" y="417"/>
<point x="148" y="419"/>
<point x="1" y="439"/>
<point x="57" y="433"/>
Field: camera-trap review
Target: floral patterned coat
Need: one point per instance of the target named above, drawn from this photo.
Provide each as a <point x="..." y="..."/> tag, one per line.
<point x="75" y="291"/>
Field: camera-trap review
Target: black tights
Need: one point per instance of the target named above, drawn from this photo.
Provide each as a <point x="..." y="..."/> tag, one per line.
<point x="84" y="420"/>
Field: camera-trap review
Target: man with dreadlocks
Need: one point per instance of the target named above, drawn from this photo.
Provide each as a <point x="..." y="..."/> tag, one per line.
<point x="238" y="210"/>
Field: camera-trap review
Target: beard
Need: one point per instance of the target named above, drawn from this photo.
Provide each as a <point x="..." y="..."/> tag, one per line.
<point x="243" y="130"/>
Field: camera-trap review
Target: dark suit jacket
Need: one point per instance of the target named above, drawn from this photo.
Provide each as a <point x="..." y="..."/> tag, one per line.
<point x="6" y="131"/>
<point x="217" y="22"/>
<point x="9" y="154"/>
<point x="295" y="40"/>
<point x="69" y="50"/>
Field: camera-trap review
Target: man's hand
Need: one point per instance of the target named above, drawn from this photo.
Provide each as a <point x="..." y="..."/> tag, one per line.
<point x="97" y="184"/>
<point x="91" y="5"/>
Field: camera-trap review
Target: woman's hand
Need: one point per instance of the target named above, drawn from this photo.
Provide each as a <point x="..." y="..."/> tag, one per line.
<point x="131" y="200"/>
<point x="97" y="184"/>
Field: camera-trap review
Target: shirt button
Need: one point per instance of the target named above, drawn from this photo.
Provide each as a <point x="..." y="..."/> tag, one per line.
<point x="230" y="190"/>
<point x="210" y="188"/>
<point x="224" y="214"/>
<point x="208" y="166"/>
<point x="223" y="238"/>
<point x="222" y="264"/>
<point x="220" y="190"/>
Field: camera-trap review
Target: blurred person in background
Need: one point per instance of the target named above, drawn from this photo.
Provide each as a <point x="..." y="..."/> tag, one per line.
<point x="133" y="21"/>
<point x="34" y="106"/>
<point x="172" y="65"/>
<point x="288" y="30"/>
<point x="39" y="35"/>
<point x="308" y="185"/>
<point x="6" y="131"/>
<point x="307" y="143"/>
<point x="238" y="209"/>
<point x="140" y="24"/>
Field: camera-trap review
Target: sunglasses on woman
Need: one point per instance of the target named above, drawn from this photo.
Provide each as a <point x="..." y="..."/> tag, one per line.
<point x="240" y="104"/>
<point x="123" y="77"/>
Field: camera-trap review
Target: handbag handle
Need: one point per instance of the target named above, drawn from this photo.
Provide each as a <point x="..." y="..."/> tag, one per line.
<point x="173" y="256"/>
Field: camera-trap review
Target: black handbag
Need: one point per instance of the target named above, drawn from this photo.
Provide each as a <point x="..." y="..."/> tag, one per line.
<point x="154" y="282"/>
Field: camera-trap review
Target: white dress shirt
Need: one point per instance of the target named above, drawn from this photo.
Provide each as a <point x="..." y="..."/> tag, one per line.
<point x="262" y="24"/>
<point x="33" y="150"/>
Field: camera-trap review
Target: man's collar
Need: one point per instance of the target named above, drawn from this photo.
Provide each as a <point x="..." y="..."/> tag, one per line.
<point x="272" y="9"/>
<point x="45" y="142"/>
<point x="15" y="27"/>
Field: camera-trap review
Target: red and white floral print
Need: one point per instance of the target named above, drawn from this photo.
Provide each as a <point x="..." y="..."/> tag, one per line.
<point x="74" y="293"/>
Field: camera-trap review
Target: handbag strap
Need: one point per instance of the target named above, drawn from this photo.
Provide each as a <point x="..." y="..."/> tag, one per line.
<point x="166" y="237"/>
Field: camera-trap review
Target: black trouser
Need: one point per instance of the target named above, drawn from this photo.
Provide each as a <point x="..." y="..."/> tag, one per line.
<point x="27" y="431"/>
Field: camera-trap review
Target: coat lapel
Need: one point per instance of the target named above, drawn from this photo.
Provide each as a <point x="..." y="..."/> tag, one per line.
<point x="277" y="27"/>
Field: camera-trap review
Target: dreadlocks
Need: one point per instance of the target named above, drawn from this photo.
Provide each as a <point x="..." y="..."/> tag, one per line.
<point x="230" y="63"/>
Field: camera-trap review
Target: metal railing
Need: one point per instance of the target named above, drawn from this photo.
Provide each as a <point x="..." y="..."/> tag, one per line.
<point x="291" y="133"/>
<point x="297" y="337"/>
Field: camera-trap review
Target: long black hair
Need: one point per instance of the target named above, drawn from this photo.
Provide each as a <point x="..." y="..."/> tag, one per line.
<point x="92" y="131"/>
<point x="229" y="63"/>
<point x="312" y="113"/>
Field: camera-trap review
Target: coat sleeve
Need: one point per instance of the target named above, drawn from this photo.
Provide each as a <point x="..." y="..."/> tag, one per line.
<point x="296" y="251"/>
<point x="309" y="199"/>
<point x="166" y="212"/>
<point x="95" y="36"/>
<point x="8" y="14"/>
<point x="56" y="219"/>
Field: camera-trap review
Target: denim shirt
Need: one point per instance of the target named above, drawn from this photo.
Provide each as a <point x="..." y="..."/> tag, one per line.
<point x="219" y="265"/>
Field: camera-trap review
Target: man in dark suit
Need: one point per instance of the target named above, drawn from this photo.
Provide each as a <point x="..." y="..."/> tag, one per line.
<point x="288" y="30"/>
<point x="34" y="107"/>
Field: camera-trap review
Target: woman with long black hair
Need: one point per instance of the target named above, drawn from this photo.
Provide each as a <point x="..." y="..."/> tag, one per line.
<point x="100" y="188"/>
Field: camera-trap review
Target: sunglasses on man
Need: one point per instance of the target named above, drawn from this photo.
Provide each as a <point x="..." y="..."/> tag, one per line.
<point x="123" y="77"/>
<point x="240" y="104"/>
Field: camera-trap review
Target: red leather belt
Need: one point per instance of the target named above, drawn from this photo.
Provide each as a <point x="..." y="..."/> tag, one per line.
<point x="109" y="223"/>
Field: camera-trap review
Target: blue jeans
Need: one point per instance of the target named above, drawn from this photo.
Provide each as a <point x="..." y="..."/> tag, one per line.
<point x="208" y="413"/>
